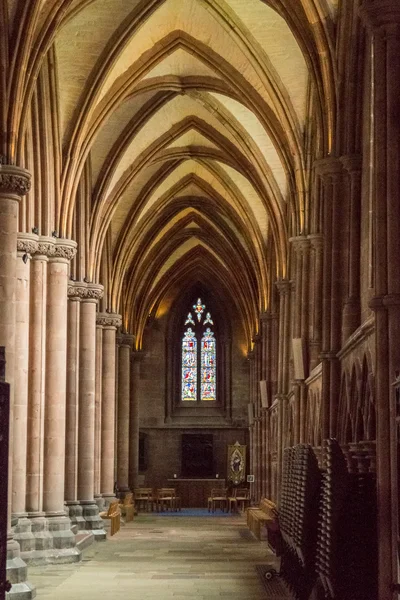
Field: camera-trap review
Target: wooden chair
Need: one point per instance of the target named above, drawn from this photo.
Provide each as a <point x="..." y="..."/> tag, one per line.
<point x="114" y="514"/>
<point x="165" y="498"/>
<point x="127" y="507"/>
<point x="218" y="498"/>
<point x="144" y="498"/>
<point x="239" y="500"/>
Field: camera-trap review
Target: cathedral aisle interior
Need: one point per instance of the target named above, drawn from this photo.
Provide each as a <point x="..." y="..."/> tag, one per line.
<point x="158" y="558"/>
<point x="200" y="288"/>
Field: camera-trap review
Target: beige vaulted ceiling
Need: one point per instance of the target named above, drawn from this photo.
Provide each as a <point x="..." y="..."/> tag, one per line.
<point x="187" y="121"/>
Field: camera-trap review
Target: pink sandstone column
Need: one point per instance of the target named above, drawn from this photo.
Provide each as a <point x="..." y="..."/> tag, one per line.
<point x="124" y="359"/>
<point x="36" y="379"/>
<point x="110" y="322"/>
<point x="97" y="414"/>
<point x="71" y="432"/>
<point x="14" y="183"/>
<point x="55" y="393"/>
<point x="86" y="428"/>
<point x="27" y="244"/>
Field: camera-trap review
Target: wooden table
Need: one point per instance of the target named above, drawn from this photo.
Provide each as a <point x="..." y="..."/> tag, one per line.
<point x="194" y="492"/>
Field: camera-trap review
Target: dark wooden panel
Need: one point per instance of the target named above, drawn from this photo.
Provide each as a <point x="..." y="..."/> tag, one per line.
<point x="194" y="492"/>
<point x="197" y="455"/>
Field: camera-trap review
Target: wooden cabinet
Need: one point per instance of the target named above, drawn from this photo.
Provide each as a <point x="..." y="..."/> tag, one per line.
<point x="194" y="492"/>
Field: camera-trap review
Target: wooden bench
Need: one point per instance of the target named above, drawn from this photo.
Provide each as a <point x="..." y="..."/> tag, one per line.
<point x="127" y="507"/>
<point x="114" y="515"/>
<point x="264" y="515"/>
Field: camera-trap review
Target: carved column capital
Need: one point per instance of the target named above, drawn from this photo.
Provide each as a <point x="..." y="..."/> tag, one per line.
<point x="64" y="250"/>
<point x="14" y="180"/>
<point x="45" y="246"/>
<point x="110" y="320"/>
<point x="317" y="241"/>
<point x="91" y="292"/>
<point x="329" y="168"/>
<point x="94" y="292"/>
<point x="125" y="339"/>
<point x="301" y="244"/>
<point x="27" y="243"/>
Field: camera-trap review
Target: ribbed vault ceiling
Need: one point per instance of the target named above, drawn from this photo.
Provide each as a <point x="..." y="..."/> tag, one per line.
<point x="189" y="116"/>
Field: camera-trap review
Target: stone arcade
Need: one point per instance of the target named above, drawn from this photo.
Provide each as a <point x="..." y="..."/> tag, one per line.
<point x="241" y="152"/>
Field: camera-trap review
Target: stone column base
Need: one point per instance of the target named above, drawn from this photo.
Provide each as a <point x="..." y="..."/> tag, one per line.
<point x="90" y="513"/>
<point x="17" y="572"/>
<point x="99" y="501"/>
<point x="75" y="511"/>
<point x="53" y="540"/>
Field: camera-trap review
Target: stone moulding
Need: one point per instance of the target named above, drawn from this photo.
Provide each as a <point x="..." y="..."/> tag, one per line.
<point x="65" y="249"/>
<point x="109" y="320"/>
<point x="85" y="291"/>
<point x="27" y="243"/>
<point x="14" y="180"/>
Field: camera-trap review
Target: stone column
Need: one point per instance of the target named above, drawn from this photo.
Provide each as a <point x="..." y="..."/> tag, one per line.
<point x="90" y="294"/>
<point x="383" y="21"/>
<point x="14" y="183"/>
<point x="136" y="358"/>
<point x="36" y="393"/>
<point x="301" y="245"/>
<point x="284" y="288"/>
<point x="55" y="397"/>
<point x="331" y="171"/>
<point x="351" y="310"/>
<point x="317" y="246"/>
<point x="252" y="437"/>
<point x="97" y="415"/>
<point x="71" y="429"/>
<point x="124" y="368"/>
<point x="27" y="245"/>
<point x="109" y="322"/>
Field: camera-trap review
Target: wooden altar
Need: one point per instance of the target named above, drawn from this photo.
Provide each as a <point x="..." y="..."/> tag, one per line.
<point x="194" y="492"/>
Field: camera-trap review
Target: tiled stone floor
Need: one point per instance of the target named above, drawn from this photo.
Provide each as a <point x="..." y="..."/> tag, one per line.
<point x="160" y="558"/>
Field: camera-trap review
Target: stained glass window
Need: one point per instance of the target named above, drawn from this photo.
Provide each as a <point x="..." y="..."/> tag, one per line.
<point x="208" y="364"/>
<point x="199" y="309"/>
<point x="208" y="319"/>
<point x="189" y="320"/>
<point x="198" y="366"/>
<point x="189" y="366"/>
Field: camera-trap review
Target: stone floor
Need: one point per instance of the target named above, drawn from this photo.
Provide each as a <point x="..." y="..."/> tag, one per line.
<point x="160" y="557"/>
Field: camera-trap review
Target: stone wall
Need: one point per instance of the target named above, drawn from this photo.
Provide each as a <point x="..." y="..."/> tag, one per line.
<point x="164" y="452"/>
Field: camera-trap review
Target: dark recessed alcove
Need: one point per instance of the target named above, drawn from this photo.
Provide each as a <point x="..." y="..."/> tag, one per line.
<point x="197" y="455"/>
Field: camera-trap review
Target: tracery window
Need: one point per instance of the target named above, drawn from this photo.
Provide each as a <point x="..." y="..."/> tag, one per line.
<point x="199" y="369"/>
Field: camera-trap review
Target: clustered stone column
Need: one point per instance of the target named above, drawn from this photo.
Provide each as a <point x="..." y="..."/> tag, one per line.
<point x="109" y="323"/>
<point x="14" y="183"/>
<point x="72" y="419"/>
<point x="332" y="174"/>
<point x="55" y="394"/>
<point x="136" y="359"/>
<point x="90" y="294"/>
<point x="81" y="408"/>
<point x="125" y="343"/>
<point x="383" y="22"/>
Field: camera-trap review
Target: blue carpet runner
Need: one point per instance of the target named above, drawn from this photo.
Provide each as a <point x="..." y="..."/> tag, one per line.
<point x="195" y="512"/>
